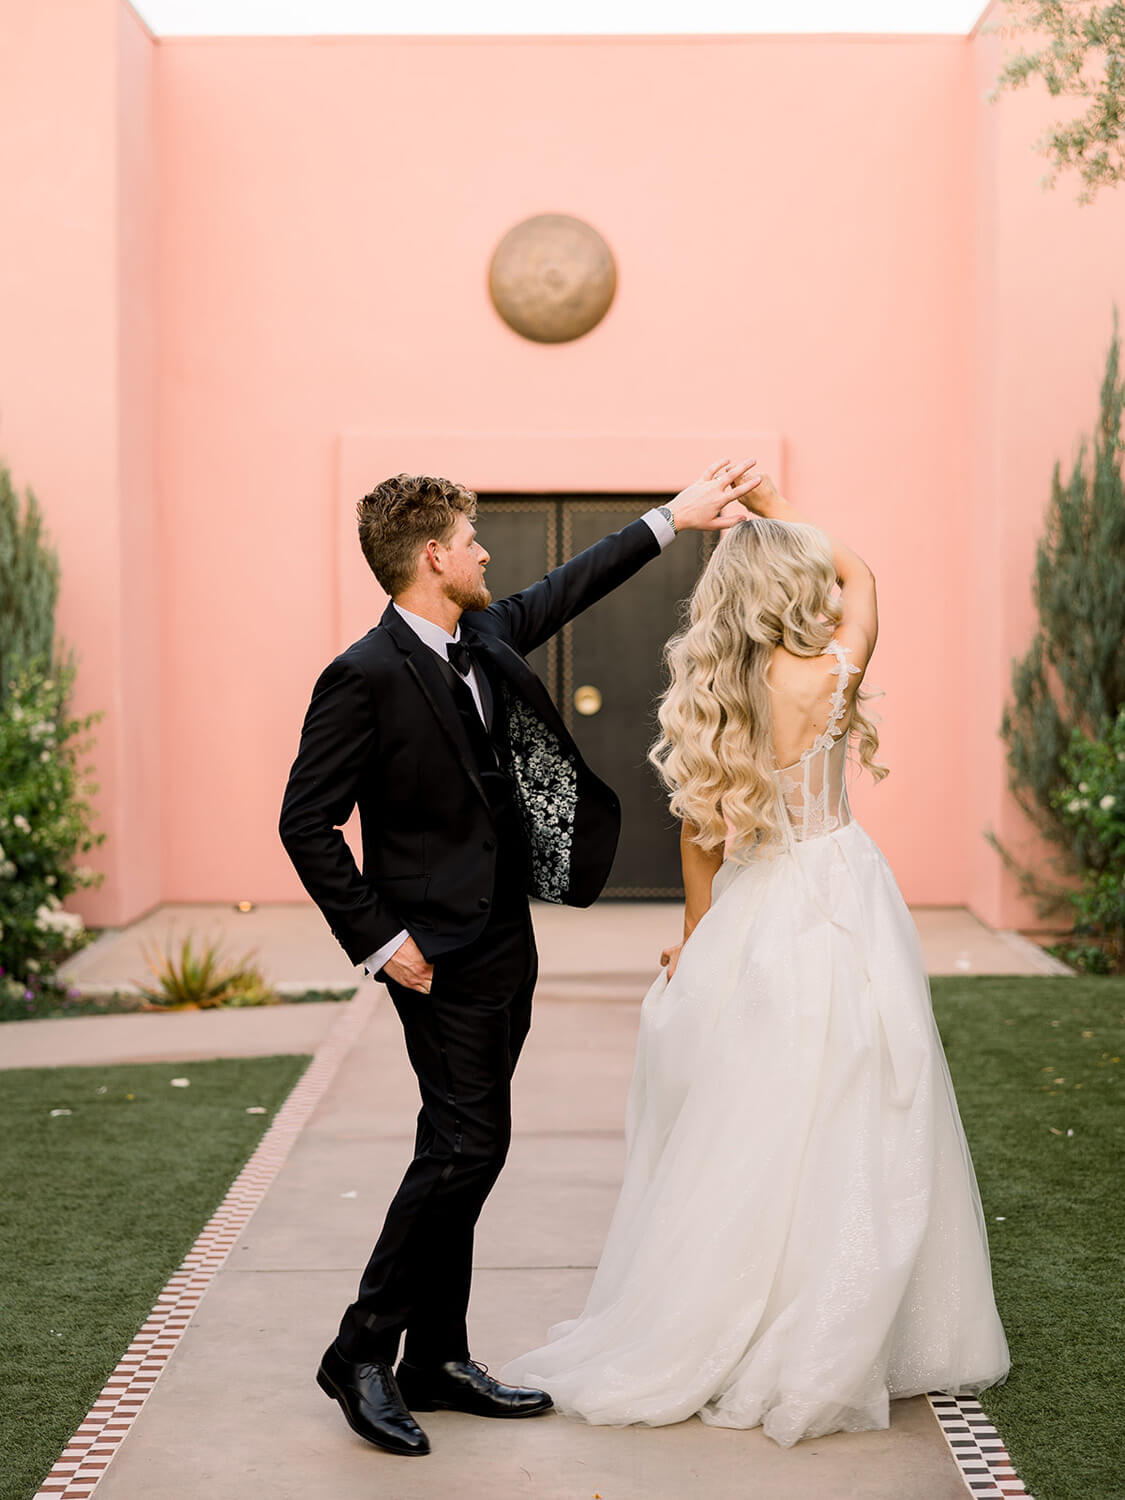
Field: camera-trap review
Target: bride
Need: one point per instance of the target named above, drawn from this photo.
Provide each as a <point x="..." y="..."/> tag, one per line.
<point x="799" y="1237"/>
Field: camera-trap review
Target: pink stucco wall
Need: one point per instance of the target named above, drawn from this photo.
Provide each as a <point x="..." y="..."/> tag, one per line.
<point x="77" y="361"/>
<point x="255" y="269"/>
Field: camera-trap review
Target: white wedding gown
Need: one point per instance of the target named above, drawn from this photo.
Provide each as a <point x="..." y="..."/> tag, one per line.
<point x="799" y="1237"/>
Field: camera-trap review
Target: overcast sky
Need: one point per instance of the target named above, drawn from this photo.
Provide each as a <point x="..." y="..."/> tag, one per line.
<point x="552" y="17"/>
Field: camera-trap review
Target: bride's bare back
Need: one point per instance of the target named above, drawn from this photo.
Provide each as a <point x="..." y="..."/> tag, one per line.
<point x="803" y="689"/>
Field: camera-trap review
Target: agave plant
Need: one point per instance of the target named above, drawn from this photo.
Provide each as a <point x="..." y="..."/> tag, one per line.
<point x="203" y="980"/>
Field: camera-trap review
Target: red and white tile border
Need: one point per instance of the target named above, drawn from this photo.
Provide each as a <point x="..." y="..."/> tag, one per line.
<point x="89" y="1452"/>
<point x="978" y="1448"/>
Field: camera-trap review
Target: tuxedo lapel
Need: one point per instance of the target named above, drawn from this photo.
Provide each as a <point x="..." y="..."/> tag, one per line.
<point x="425" y="668"/>
<point x="511" y="665"/>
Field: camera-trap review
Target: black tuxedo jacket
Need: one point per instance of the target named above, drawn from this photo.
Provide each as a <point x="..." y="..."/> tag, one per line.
<point x="382" y="730"/>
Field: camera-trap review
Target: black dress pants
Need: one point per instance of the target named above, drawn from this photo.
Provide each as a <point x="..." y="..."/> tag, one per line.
<point x="463" y="1040"/>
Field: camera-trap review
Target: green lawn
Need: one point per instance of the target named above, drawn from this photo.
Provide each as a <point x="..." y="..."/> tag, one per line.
<point x="99" y="1208"/>
<point x="1037" y="1065"/>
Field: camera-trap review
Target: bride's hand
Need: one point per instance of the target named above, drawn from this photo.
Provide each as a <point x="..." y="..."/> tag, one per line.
<point x="670" y="957"/>
<point x="711" y="503"/>
<point x="765" y="500"/>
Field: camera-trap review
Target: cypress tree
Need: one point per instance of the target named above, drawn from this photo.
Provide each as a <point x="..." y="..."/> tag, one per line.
<point x="1073" y="673"/>
<point x="29" y="586"/>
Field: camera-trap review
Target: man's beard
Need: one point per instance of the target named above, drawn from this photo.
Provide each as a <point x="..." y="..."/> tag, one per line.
<point x="468" y="598"/>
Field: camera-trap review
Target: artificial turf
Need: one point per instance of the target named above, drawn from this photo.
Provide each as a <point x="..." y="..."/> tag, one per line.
<point x="99" y="1207"/>
<point x="1037" y="1065"/>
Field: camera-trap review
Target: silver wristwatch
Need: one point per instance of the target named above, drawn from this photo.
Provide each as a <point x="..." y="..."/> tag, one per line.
<point x="666" y="512"/>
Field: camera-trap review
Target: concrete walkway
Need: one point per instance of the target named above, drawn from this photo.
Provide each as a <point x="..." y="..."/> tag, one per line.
<point x="613" y="941"/>
<point x="236" y="1412"/>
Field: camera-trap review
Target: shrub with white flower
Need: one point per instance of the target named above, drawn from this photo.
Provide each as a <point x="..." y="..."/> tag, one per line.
<point x="45" y="825"/>
<point x="1092" y="804"/>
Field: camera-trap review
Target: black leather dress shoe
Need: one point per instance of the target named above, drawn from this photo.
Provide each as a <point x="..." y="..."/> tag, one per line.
<point x="463" y="1385"/>
<point x="372" y="1403"/>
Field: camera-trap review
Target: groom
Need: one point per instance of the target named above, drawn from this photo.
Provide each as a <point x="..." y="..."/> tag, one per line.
<point x="472" y="796"/>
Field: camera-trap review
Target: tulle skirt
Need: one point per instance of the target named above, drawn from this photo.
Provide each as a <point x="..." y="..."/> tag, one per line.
<point x="799" y="1237"/>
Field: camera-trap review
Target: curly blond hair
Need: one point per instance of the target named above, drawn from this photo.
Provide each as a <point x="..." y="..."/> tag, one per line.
<point x="768" y="583"/>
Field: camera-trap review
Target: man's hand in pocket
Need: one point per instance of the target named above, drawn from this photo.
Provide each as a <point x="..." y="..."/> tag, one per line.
<point x="408" y="968"/>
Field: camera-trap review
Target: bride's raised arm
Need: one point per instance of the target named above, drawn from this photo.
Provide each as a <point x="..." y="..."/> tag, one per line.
<point x="859" y="626"/>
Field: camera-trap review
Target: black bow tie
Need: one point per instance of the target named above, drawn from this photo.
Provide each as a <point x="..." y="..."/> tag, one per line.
<point x="459" y="658"/>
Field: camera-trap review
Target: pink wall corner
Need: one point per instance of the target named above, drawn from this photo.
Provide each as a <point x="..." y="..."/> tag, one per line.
<point x="141" y="560"/>
<point x="1049" y="273"/>
<point x="76" y="385"/>
<point x="58" y="309"/>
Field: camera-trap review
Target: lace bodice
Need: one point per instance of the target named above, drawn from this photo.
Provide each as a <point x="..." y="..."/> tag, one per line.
<point x="812" y="792"/>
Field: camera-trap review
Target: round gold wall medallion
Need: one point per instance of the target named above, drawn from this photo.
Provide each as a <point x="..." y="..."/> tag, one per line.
<point x="552" y="278"/>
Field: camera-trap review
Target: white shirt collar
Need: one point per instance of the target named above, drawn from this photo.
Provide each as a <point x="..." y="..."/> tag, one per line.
<point x="428" y="633"/>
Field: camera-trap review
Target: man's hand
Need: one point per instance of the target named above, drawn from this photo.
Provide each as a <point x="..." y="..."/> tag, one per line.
<point x="710" y="503"/>
<point x="670" y="957"/>
<point x="408" y="968"/>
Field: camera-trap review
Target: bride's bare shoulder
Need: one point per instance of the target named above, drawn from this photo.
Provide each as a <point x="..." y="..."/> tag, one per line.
<point x="799" y="676"/>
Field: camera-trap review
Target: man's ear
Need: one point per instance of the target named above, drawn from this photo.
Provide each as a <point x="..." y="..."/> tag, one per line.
<point x="431" y="556"/>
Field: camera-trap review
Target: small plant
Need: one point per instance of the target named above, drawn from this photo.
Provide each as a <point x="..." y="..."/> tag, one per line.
<point x="204" y="980"/>
<point x="1092" y="804"/>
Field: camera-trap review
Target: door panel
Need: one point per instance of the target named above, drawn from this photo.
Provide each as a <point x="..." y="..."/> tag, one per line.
<point x="522" y="537"/>
<point x="615" y="648"/>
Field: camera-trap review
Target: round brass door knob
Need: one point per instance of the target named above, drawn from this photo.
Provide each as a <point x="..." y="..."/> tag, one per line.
<point x="587" y="700"/>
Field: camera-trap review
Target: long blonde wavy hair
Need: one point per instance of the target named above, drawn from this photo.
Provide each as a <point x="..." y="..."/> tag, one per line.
<point x="768" y="583"/>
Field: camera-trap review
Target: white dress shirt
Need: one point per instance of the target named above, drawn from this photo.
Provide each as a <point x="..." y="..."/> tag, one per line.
<point x="438" y="639"/>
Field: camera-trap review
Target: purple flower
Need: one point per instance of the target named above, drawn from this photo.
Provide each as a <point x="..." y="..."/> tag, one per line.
<point x="27" y="995"/>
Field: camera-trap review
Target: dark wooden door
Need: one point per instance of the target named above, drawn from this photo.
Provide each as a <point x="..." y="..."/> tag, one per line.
<point x="605" y="670"/>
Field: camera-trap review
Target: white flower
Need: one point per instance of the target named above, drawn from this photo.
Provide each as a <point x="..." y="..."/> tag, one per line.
<point x="3" y="856"/>
<point x="180" y="1083"/>
<point x="1074" y="804"/>
<point x="7" y="868"/>
<point x="20" y="822"/>
<point x="51" y="880"/>
<point x="1107" y="802"/>
<point x="44" y="755"/>
<point x="1082" y="787"/>
<point x="33" y="965"/>
<point x="1121" y="755"/>
<point x="17" y="713"/>
<point x="50" y="919"/>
